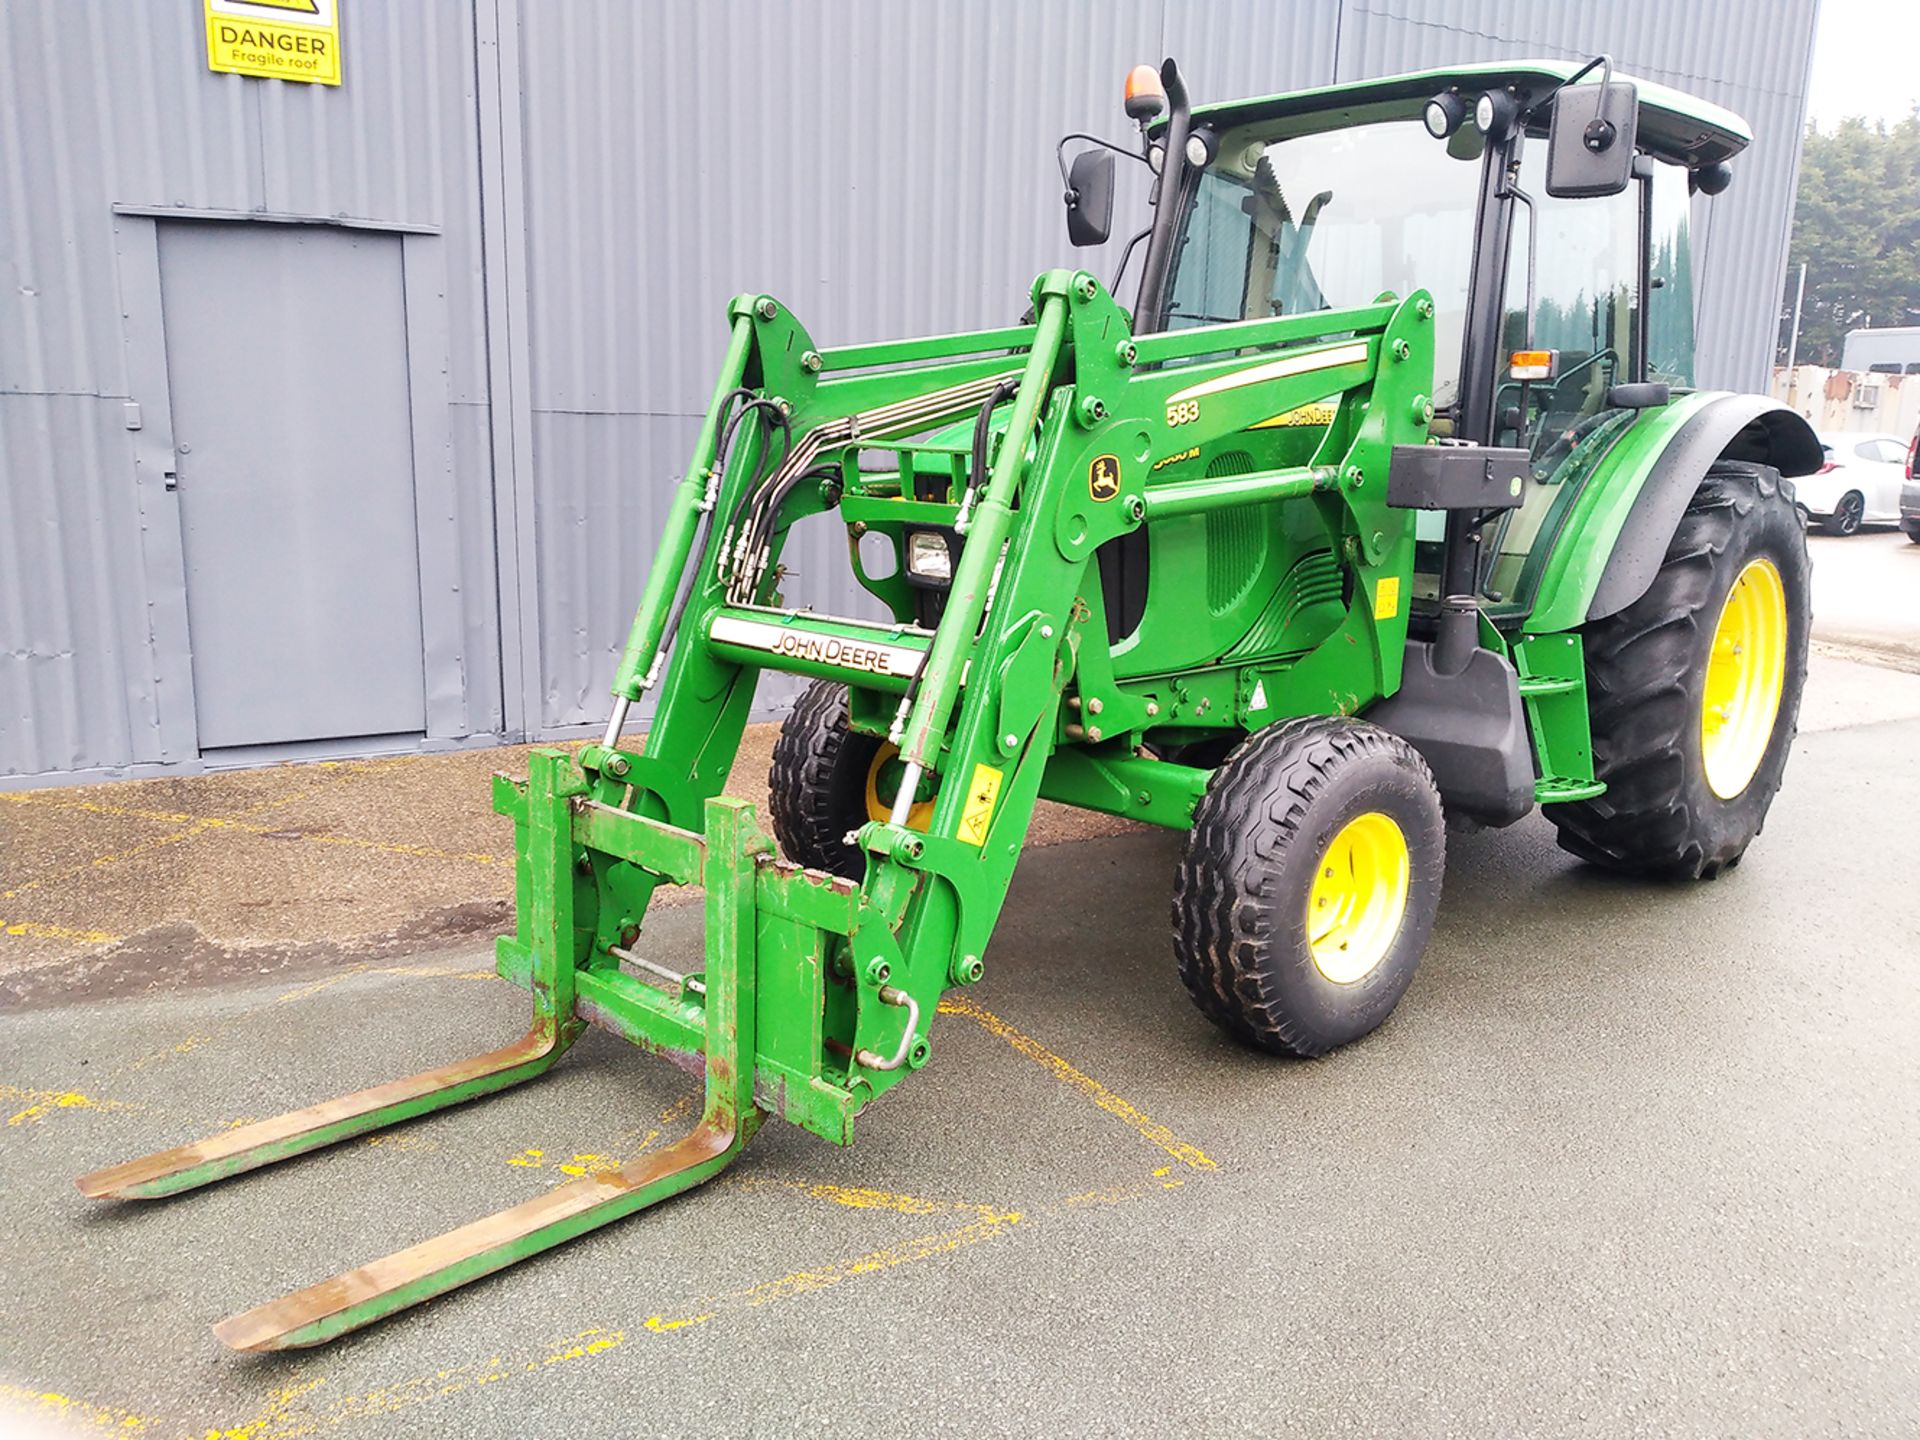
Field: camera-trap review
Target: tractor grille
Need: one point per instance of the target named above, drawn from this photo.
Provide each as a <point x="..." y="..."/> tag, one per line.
<point x="1236" y="539"/>
<point x="1314" y="580"/>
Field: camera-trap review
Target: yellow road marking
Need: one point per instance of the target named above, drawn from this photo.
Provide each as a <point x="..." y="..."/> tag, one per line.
<point x="858" y="1198"/>
<point x="578" y="1165"/>
<point x="241" y="823"/>
<point x="183" y="1047"/>
<point x="632" y="1144"/>
<point x="98" y="861"/>
<point x="805" y="1282"/>
<point x="42" y="1103"/>
<point x="57" y="800"/>
<point x="302" y="992"/>
<point x="277" y="1419"/>
<point x="74" y="1417"/>
<point x="33" y="929"/>
<point x="284" y="1419"/>
<point x="1067" y="1073"/>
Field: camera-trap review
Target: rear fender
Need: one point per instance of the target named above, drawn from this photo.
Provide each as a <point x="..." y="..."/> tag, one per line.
<point x="1612" y="545"/>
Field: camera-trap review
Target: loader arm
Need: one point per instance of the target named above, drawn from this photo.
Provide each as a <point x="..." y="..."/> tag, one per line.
<point x="818" y="991"/>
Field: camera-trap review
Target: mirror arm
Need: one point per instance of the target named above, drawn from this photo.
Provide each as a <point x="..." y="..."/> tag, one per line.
<point x="1060" y="153"/>
<point x="1605" y="62"/>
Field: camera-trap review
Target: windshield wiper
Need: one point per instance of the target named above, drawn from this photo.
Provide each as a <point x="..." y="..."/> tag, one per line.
<point x="1208" y="319"/>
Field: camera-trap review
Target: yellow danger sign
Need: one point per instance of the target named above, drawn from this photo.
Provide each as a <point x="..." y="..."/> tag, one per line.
<point x="981" y="794"/>
<point x="275" y="39"/>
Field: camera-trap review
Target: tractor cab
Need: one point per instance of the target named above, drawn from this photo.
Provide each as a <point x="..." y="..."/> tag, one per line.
<point x="1545" y="209"/>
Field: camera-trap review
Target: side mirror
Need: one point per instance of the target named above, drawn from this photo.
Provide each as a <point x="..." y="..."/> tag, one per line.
<point x="1590" y="141"/>
<point x="1643" y="395"/>
<point x="1090" y="197"/>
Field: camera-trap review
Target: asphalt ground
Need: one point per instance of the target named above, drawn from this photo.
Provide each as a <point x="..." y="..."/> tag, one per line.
<point x="1866" y="595"/>
<point x="141" y="886"/>
<point x="1630" y="1158"/>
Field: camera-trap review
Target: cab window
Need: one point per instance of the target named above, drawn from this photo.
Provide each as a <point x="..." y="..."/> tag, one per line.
<point x="1585" y="302"/>
<point x="1670" y="269"/>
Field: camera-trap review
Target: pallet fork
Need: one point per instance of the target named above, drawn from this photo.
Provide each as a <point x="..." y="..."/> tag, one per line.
<point x="724" y="862"/>
<point x="818" y="990"/>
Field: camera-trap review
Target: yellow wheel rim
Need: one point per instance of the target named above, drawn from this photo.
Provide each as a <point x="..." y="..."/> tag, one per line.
<point x="1358" y="898"/>
<point x="886" y="771"/>
<point x="1746" y="671"/>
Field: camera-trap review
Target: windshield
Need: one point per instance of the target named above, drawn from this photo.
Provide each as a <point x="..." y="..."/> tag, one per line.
<point x="1331" y="220"/>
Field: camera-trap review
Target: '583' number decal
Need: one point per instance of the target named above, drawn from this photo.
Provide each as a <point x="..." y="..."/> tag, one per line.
<point x="1182" y="412"/>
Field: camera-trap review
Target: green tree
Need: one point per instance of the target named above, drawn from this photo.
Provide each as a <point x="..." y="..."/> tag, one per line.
<point x="1857" y="226"/>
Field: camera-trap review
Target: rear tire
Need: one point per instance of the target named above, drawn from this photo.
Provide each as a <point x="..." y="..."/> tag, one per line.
<point x="1647" y="682"/>
<point x="1848" y="511"/>
<point x="1275" y="947"/>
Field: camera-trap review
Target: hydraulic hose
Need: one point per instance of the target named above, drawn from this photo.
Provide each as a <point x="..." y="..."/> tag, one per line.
<point x="980" y="557"/>
<point x="690" y="576"/>
<point x="676" y="541"/>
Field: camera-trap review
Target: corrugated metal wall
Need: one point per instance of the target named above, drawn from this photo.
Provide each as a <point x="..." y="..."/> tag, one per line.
<point x="602" y="177"/>
<point x="894" y="191"/>
<point x="106" y="108"/>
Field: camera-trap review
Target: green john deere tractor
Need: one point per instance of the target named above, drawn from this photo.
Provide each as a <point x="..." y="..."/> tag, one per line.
<point x="1386" y="507"/>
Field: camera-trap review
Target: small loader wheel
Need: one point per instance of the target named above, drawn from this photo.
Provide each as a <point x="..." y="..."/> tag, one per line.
<point x="1694" y="689"/>
<point x="828" y="780"/>
<point x="1309" y="884"/>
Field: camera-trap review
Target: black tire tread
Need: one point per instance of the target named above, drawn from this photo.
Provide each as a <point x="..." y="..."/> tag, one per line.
<point x="1641" y="693"/>
<point x="1254" y="808"/>
<point x="808" y="781"/>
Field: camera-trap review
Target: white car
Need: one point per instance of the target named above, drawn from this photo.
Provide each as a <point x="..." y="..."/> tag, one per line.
<point x="1859" y="484"/>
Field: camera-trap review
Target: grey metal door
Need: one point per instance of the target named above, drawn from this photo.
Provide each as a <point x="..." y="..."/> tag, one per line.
<point x="287" y="366"/>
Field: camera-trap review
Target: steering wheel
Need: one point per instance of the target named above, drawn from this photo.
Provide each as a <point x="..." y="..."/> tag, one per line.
<point x="1569" y="440"/>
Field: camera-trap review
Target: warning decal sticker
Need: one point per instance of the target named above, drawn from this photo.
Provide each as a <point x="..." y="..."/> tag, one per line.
<point x="981" y="793"/>
<point x="1386" y="598"/>
<point x="275" y="39"/>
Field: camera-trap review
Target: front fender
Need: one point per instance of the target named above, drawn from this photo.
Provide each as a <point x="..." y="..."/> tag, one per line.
<point x="1611" y="546"/>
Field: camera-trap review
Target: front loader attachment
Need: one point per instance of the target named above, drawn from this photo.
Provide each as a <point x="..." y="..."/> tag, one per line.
<point x="817" y="989"/>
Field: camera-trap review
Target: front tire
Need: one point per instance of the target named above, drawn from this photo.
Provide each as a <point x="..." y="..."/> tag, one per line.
<point x="1309" y="884"/>
<point x="1694" y="689"/>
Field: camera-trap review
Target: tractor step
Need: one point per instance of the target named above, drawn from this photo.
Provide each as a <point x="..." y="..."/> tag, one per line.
<point x="1554" y="790"/>
<point x="1535" y="687"/>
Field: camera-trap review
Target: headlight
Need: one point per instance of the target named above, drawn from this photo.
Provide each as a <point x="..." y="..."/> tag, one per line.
<point x="928" y="557"/>
<point x="1494" y="114"/>
<point x="1444" y="114"/>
